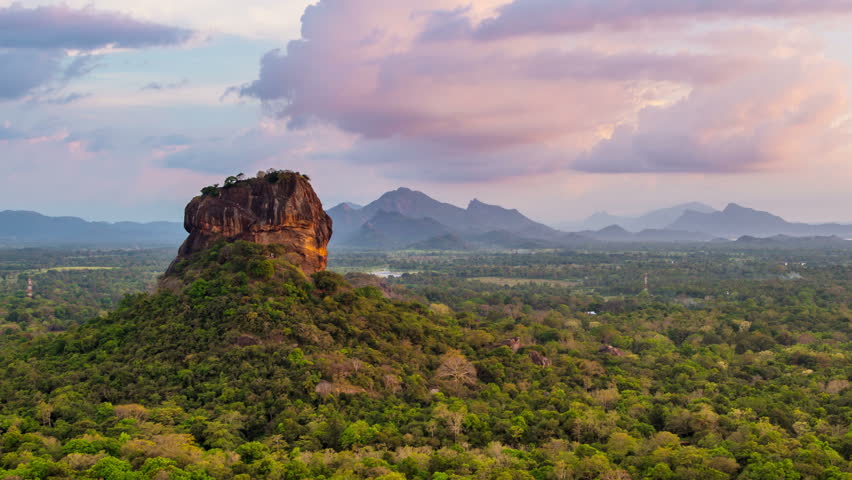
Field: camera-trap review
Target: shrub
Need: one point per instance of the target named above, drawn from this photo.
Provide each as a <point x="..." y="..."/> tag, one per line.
<point x="211" y="191"/>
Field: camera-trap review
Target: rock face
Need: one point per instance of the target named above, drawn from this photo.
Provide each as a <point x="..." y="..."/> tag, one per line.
<point x="539" y="359"/>
<point x="279" y="208"/>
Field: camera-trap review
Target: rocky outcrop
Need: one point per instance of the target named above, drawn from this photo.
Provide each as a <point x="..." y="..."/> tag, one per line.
<point x="539" y="359"/>
<point x="610" y="350"/>
<point x="278" y="207"/>
<point x="514" y="343"/>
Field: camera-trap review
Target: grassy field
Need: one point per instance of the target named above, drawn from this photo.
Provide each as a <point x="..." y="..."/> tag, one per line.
<point x="68" y="269"/>
<point x="524" y="281"/>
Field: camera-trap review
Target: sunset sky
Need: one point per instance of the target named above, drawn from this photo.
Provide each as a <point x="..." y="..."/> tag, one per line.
<point x="124" y="109"/>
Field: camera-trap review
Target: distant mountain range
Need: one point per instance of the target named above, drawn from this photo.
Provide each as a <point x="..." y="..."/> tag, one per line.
<point x="735" y="221"/>
<point x="23" y="228"/>
<point x="405" y="218"/>
<point x="653" y="220"/>
<point x="408" y="219"/>
<point x="615" y="233"/>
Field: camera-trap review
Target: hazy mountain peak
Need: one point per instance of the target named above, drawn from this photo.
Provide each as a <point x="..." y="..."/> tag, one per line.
<point x="476" y="204"/>
<point x="345" y="207"/>
<point x="19" y="228"/>
<point x="402" y="192"/>
<point x="405" y="194"/>
<point x="734" y="207"/>
<point x="695" y="206"/>
<point x="21" y="212"/>
<point x="407" y="205"/>
<point x="655" y="219"/>
<point x="736" y="220"/>
<point x="613" y="229"/>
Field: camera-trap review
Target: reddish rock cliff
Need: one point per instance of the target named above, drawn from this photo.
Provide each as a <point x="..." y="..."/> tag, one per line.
<point x="280" y="208"/>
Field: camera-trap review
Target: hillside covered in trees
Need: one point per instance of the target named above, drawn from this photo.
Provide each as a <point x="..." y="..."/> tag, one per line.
<point x="239" y="366"/>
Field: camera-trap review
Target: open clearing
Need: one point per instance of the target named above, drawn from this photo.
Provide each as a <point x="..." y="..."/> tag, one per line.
<point x="511" y="282"/>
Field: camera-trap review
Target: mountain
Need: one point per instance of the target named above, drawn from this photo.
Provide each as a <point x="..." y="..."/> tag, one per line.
<point x="346" y="218"/>
<point x="502" y="239"/>
<point x="612" y="233"/>
<point x="653" y="220"/>
<point x="24" y="228"/>
<point x="617" y="234"/>
<point x="394" y="230"/>
<point x="372" y="227"/>
<point x="594" y="222"/>
<point x="798" y="243"/>
<point x="662" y="218"/>
<point x="484" y="217"/>
<point x="414" y="204"/>
<point x="735" y="221"/>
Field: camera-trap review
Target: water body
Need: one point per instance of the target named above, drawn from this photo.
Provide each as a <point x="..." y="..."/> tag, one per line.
<point x="386" y="273"/>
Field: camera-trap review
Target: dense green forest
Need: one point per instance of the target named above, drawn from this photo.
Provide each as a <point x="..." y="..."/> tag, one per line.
<point x="733" y="364"/>
<point x="71" y="286"/>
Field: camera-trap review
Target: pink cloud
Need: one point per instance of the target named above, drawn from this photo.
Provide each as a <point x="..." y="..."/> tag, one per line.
<point x="776" y="116"/>
<point x="422" y="92"/>
<point x="526" y="17"/>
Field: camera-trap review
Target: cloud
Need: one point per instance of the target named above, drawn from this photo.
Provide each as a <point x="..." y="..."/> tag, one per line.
<point x="59" y="26"/>
<point x="103" y="184"/>
<point x="26" y="71"/>
<point x="23" y="70"/>
<point x="42" y="49"/>
<point x="219" y="155"/>
<point x="526" y="17"/>
<point x="427" y="97"/>
<point x="158" y="86"/>
<point x="95" y="141"/>
<point x="427" y="161"/>
<point x="80" y="65"/>
<point x="781" y="114"/>
<point x="443" y="25"/>
<point x="8" y="133"/>
<point x="367" y="70"/>
<point x="171" y="140"/>
<point x="68" y="99"/>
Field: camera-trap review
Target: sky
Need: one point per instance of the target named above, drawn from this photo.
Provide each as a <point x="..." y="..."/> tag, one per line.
<point x="123" y="110"/>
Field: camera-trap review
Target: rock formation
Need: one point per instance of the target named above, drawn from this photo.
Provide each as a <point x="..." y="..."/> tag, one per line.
<point x="539" y="359"/>
<point x="277" y="207"/>
<point x="514" y="343"/>
<point x="610" y="350"/>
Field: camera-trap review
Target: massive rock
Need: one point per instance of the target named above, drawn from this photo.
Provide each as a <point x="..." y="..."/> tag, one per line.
<point x="275" y="208"/>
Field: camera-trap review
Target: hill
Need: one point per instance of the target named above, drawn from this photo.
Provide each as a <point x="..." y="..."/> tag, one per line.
<point x="653" y="220"/>
<point x="736" y="221"/>
<point x="240" y="366"/>
<point x="390" y="230"/>
<point x="371" y="226"/>
<point x="23" y="228"/>
<point x="617" y="234"/>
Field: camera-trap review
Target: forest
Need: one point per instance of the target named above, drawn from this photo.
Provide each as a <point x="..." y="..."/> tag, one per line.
<point x="729" y="363"/>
